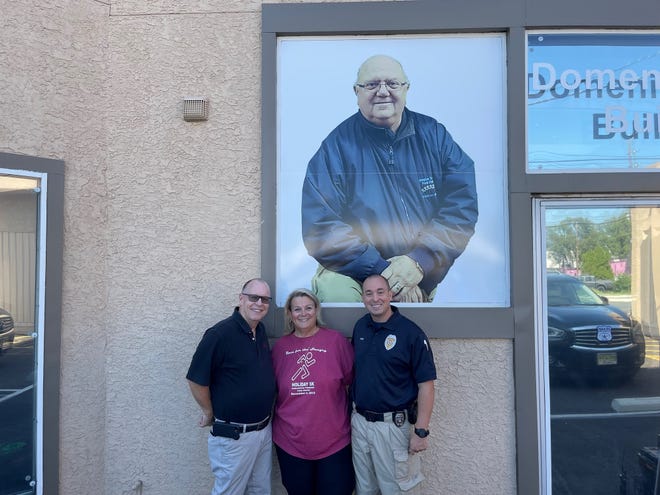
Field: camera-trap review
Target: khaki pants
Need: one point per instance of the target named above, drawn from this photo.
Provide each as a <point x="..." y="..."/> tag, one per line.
<point x="243" y="466"/>
<point x="381" y="460"/>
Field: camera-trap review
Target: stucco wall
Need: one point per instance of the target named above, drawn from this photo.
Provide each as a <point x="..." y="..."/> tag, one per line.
<point x="162" y="226"/>
<point x="184" y="223"/>
<point x="52" y="76"/>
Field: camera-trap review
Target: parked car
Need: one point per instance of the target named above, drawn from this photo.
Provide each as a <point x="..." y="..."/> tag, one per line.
<point x="587" y="336"/>
<point x="600" y="284"/>
<point x="6" y="331"/>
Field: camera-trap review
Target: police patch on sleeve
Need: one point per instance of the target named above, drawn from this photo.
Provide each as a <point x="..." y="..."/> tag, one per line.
<point x="390" y="341"/>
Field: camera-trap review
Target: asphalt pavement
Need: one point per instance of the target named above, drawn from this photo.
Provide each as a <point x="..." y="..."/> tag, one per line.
<point x="597" y="449"/>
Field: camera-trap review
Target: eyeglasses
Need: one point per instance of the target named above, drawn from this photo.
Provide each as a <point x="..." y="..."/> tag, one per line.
<point x="254" y="298"/>
<point x="376" y="85"/>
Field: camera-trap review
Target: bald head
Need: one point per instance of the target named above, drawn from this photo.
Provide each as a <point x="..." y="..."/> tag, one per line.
<point x="381" y="62"/>
<point x="382" y="105"/>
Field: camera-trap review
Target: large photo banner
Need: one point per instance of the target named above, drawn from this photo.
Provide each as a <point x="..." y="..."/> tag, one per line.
<point x="391" y="159"/>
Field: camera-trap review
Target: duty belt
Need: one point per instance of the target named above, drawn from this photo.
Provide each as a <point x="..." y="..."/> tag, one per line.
<point x="396" y="417"/>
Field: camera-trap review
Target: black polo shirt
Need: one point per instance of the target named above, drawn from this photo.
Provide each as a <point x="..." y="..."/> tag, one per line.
<point x="391" y="358"/>
<point x="237" y="369"/>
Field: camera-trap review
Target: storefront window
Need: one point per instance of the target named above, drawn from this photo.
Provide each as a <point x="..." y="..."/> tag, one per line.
<point x="19" y="204"/>
<point x="600" y="337"/>
<point x="31" y="228"/>
<point x="592" y="102"/>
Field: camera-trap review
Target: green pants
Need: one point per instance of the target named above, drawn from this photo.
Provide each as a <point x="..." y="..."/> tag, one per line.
<point x="331" y="286"/>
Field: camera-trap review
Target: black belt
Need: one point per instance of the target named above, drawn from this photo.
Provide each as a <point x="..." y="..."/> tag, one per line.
<point x="246" y="427"/>
<point x="397" y="417"/>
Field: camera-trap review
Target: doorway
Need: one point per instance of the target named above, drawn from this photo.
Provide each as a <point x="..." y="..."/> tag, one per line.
<point x="20" y="297"/>
<point x="598" y="306"/>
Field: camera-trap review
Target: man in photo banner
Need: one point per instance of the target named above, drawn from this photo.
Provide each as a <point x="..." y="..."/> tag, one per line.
<point x="388" y="192"/>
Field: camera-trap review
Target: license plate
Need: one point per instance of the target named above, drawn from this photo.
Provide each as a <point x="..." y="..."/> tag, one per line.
<point x="606" y="358"/>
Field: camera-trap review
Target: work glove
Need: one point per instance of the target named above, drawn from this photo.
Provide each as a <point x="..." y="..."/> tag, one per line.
<point x="402" y="275"/>
<point x="414" y="295"/>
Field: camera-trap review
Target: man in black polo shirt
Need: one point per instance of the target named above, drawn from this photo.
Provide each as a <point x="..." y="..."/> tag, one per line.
<point x="393" y="395"/>
<point x="231" y="377"/>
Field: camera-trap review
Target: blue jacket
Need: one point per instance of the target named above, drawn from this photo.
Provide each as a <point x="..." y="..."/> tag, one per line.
<point x="370" y="194"/>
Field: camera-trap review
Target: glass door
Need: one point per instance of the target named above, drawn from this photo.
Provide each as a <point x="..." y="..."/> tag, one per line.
<point x="19" y="331"/>
<point x="599" y="309"/>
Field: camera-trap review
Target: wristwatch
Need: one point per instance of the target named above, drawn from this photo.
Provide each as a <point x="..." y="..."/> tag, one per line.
<point x="421" y="432"/>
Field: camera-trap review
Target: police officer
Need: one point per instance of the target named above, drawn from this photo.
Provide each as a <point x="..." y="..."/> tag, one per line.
<point x="393" y="395"/>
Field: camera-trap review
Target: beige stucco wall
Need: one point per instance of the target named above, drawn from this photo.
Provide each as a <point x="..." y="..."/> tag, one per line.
<point x="52" y="84"/>
<point x="162" y="225"/>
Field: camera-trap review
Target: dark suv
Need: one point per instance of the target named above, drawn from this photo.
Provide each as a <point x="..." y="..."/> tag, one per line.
<point x="587" y="336"/>
<point x="6" y="331"/>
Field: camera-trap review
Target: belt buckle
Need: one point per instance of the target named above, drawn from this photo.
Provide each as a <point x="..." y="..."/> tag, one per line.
<point x="399" y="417"/>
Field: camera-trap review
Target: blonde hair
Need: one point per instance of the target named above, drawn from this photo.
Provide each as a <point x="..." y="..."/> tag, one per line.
<point x="288" y="321"/>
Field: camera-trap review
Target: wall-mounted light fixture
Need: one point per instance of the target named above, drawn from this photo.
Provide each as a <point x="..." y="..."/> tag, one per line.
<point x="195" y="109"/>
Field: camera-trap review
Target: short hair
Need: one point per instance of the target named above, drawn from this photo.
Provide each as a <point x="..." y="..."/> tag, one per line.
<point x="245" y="285"/>
<point x="376" y="275"/>
<point x="288" y="321"/>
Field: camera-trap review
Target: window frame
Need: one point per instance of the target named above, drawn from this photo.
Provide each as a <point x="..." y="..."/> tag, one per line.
<point x="364" y="19"/>
<point x="47" y="446"/>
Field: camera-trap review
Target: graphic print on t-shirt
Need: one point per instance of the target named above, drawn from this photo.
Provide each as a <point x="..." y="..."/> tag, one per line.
<point x="302" y="381"/>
